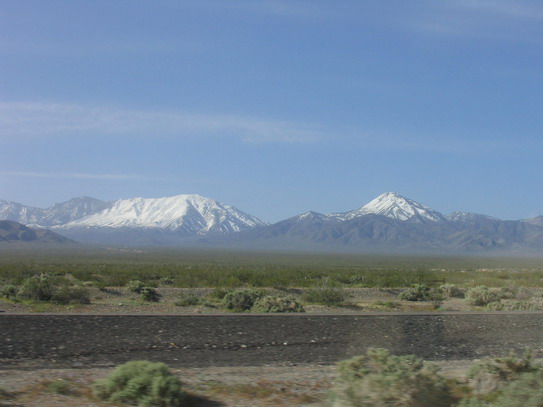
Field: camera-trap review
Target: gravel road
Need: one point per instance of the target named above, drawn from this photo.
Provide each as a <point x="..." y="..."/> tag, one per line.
<point x="72" y="341"/>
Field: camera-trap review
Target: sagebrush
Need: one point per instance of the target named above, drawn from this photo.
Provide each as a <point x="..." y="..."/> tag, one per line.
<point x="419" y="292"/>
<point x="325" y="293"/>
<point x="275" y="303"/>
<point x="141" y="383"/>
<point x="380" y="379"/>
<point x="149" y="294"/>
<point x="493" y="374"/>
<point x="482" y="295"/>
<point x="242" y="299"/>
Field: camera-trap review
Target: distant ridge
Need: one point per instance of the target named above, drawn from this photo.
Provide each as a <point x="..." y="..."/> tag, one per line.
<point x="15" y="232"/>
<point x="393" y="223"/>
<point x="389" y="223"/>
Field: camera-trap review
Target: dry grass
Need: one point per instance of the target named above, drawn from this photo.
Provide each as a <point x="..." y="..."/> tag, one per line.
<point x="265" y="392"/>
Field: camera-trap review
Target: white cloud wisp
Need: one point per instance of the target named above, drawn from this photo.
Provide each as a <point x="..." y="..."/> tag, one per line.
<point x="36" y="119"/>
<point x="72" y="175"/>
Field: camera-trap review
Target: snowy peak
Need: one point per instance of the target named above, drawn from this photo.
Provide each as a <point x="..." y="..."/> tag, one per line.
<point x="311" y="216"/>
<point x="57" y="214"/>
<point x="188" y="213"/>
<point x="75" y="208"/>
<point x="467" y="217"/>
<point x="395" y="206"/>
<point x="398" y="207"/>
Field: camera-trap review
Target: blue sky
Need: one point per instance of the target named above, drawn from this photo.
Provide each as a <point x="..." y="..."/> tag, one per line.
<point x="276" y="107"/>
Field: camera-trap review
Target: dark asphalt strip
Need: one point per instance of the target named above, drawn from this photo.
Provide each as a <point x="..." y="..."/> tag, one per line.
<point x="62" y="340"/>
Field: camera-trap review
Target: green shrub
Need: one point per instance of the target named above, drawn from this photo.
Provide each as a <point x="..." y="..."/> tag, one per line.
<point x="60" y="387"/>
<point x="242" y="299"/>
<point x="525" y="391"/>
<point x="149" y="294"/>
<point x="532" y="304"/>
<point x="491" y="375"/>
<point x="482" y="295"/>
<point x="450" y="290"/>
<point x="71" y="295"/>
<point x="40" y="287"/>
<point x="188" y="300"/>
<point x="9" y="291"/>
<point x="379" y="379"/>
<point x="273" y="303"/>
<point x="325" y="295"/>
<point x="419" y="292"/>
<point x="135" y="286"/>
<point x="219" y="293"/>
<point x="166" y="281"/>
<point x="141" y="383"/>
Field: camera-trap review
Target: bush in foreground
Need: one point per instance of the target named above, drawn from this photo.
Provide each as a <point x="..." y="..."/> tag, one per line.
<point x="273" y="303"/>
<point x="149" y="294"/>
<point x="379" y="379"/>
<point x="141" y="383"/>
<point x="491" y="375"/>
<point x="482" y="295"/>
<point x="419" y="292"/>
<point x="135" y="286"/>
<point x="450" y="290"/>
<point x="9" y="291"/>
<point x="188" y="300"/>
<point x="524" y="391"/>
<point x="60" y="387"/>
<point x="242" y="299"/>
<point x="40" y="287"/>
<point x="71" y="295"/>
<point x="325" y="295"/>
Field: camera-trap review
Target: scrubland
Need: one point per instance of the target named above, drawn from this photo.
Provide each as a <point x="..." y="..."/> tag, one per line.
<point x="171" y="281"/>
<point x="194" y="281"/>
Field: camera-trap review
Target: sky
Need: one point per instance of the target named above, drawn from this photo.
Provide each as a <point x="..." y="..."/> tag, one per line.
<point x="276" y="107"/>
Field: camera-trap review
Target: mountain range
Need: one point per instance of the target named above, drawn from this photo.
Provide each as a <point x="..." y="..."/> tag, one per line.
<point x="390" y="222"/>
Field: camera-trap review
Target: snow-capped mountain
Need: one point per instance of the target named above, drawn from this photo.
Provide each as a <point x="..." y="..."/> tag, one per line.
<point x="58" y="214"/>
<point x="465" y="217"/>
<point x="16" y="212"/>
<point x="135" y="221"/>
<point x="393" y="223"/>
<point x="76" y="208"/>
<point x="313" y="217"/>
<point x="390" y="222"/>
<point x="393" y="206"/>
<point x="187" y="213"/>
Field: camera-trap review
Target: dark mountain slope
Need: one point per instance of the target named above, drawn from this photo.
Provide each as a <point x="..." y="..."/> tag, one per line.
<point x="15" y="232"/>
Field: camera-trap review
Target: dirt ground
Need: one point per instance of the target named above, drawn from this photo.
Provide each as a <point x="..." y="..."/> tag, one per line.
<point x="249" y="386"/>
